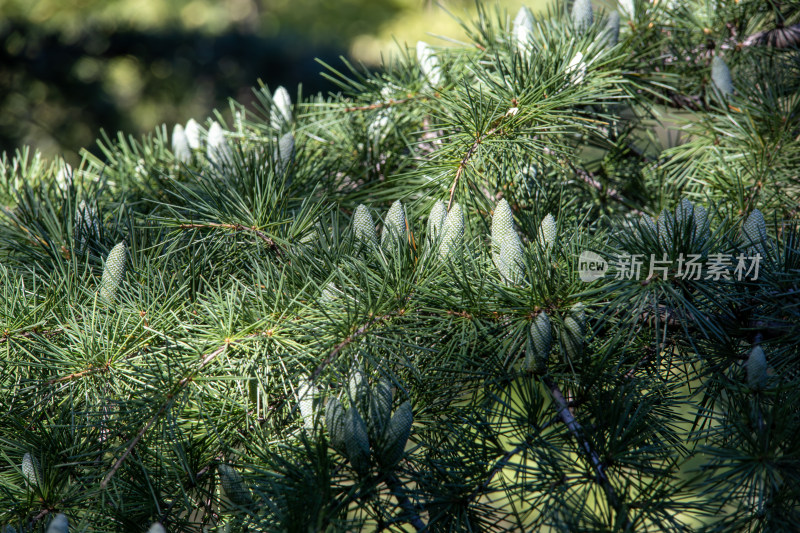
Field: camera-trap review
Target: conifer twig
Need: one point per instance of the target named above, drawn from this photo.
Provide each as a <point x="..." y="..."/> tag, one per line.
<point x="574" y="427"/>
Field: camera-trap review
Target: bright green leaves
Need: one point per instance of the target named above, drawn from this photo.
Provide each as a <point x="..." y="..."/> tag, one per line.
<point x="113" y="272"/>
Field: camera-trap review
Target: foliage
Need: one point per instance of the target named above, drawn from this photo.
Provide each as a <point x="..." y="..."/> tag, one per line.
<point x="367" y="311"/>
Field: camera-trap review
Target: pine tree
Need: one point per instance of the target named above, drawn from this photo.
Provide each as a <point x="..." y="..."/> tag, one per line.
<point x="203" y="331"/>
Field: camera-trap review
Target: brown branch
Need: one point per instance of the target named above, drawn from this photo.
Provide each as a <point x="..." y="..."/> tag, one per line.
<point x="350" y="338"/>
<point x="236" y="227"/>
<point x="181" y="384"/>
<point x="464" y="160"/>
<point x="574" y="427"/>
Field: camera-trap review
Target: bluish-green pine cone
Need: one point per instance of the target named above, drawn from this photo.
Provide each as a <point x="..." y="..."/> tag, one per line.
<point x="548" y="232"/>
<point x="380" y="409"/>
<point x="217" y="149"/>
<point x="511" y="264"/>
<point x="8" y="529"/>
<point x="285" y="151"/>
<point x="429" y="64"/>
<point x="394" y="442"/>
<point x="575" y="331"/>
<point x="156" y="527"/>
<point x="192" y="132"/>
<point x="502" y="227"/>
<point x="611" y="31"/>
<point x="113" y="272"/>
<point x="394" y="226"/>
<point x="59" y="524"/>
<point x="721" y="76"/>
<point x="306" y="397"/>
<point x="542" y="335"/>
<point x="582" y="15"/>
<point x="754" y="230"/>
<point x="436" y="222"/>
<point x="31" y="470"/>
<point x="522" y="30"/>
<point x="665" y="228"/>
<point x="364" y="227"/>
<point x="356" y="441"/>
<point x="233" y="485"/>
<point x="334" y="421"/>
<point x="180" y="145"/>
<point x="281" y="112"/>
<point x="757" y="368"/>
<point x="453" y="236"/>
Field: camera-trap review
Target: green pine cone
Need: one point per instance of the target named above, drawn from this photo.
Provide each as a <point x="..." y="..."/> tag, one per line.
<point x="156" y="528"/>
<point x="721" y="76"/>
<point x="356" y="441"/>
<point x="522" y="30"/>
<point x="684" y="212"/>
<point x="334" y="421"/>
<point x="502" y="227"/>
<point x="31" y="470"/>
<point x="380" y="408"/>
<point x="511" y="260"/>
<point x="542" y="335"/>
<point x="648" y="222"/>
<point x="306" y="394"/>
<point x="9" y="529"/>
<point x="757" y="368"/>
<point x="582" y="15"/>
<point x="754" y="231"/>
<point x="59" y="524"/>
<point x="281" y="112"/>
<point x="364" y="227"/>
<point x="285" y="151"/>
<point x="397" y="433"/>
<point x="436" y="222"/>
<point x="217" y="149"/>
<point x="575" y="331"/>
<point x="665" y="228"/>
<point x="548" y="232"/>
<point x="453" y="232"/>
<point x="233" y="485"/>
<point x="192" y="132"/>
<point x="113" y="271"/>
<point x="611" y="31"/>
<point x="180" y="145"/>
<point x="394" y="227"/>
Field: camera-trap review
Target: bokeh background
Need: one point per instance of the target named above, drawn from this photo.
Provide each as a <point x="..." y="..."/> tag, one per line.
<point x="69" y="68"/>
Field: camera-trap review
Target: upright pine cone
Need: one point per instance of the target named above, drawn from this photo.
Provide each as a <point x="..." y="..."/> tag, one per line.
<point x="396" y="435"/>
<point x="356" y="441"/>
<point x="31" y="470"/>
<point x="721" y="76"/>
<point x="757" y="368"/>
<point x="539" y="343"/>
<point x="522" y="30"/>
<point x="453" y="232"/>
<point x="281" y="112"/>
<point x="394" y="226"/>
<point x="334" y="421"/>
<point x="113" y="271"/>
<point x="233" y="485"/>
<point x="59" y="524"/>
<point x="192" y="132"/>
<point x="364" y="227"/>
<point x="180" y="145"/>
<point x="582" y="15"/>
<point x="436" y="223"/>
<point x="547" y="232"/>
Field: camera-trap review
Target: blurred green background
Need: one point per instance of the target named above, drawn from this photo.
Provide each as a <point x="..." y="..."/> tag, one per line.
<point x="71" y="67"/>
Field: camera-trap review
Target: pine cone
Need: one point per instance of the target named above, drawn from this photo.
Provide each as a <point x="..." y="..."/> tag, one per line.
<point x="192" y="132"/>
<point x="547" y="232"/>
<point x="31" y="470"/>
<point x="394" y="227"/>
<point x="394" y="443"/>
<point x="757" y="368"/>
<point x="113" y="271"/>
<point x="380" y="409"/>
<point x="721" y="76"/>
<point x="453" y="232"/>
<point x="429" y="64"/>
<point x="217" y="149"/>
<point x="541" y="340"/>
<point x="233" y="485"/>
<point x="180" y="145"/>
<point x="436" y="223"/>
<point x="334" y="420"/>
<point x="356" y="441"/>
<point x="582" y="15"/>
<point x="364" y="227"/>
<point x="156" y="528"/>
<point x="522" y="30"/>
<point x="59" y="524"/>
<point x="281" y="112"/>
